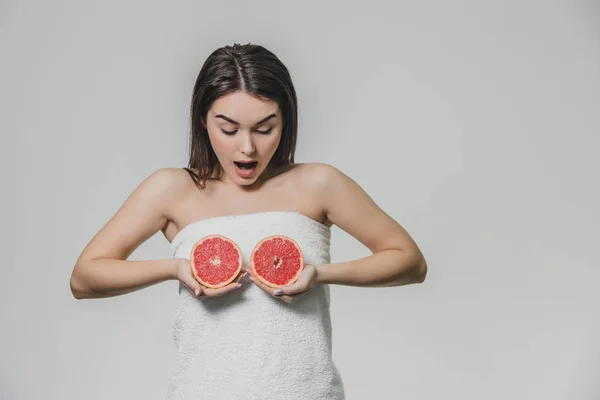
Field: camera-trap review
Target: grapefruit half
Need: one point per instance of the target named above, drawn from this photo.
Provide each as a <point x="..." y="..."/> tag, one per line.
<point x="277" y="261"/>
<point x="215" y="261"/>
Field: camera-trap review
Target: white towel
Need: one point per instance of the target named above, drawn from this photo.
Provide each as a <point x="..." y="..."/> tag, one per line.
<point x="247" y="344"/>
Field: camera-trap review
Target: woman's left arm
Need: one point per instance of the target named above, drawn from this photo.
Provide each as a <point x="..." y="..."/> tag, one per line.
<point x="396" y="258"/>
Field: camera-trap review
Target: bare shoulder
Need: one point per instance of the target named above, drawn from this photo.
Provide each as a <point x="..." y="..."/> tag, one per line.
<point x="169" y="178"/>
<point x="312" y="180"/>
<point x="163" y="187"/>
<point x="324" y="181"/>
<point x="347" y="205"/>
<point x="143" y="213"/>
<point x="315" y="176"/>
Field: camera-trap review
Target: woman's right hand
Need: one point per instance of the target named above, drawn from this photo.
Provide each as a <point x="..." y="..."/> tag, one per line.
<point x="185" y="276"/>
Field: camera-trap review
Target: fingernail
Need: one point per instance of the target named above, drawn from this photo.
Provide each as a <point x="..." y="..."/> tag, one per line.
<point x="278" y="292"/>
<point x="197" y="291"/>
<point x="238" y="285"/>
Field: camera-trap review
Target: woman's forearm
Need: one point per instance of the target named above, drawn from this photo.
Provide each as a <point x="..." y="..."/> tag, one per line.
<point x="385" y="268"/>
<point x="109" y="277"/>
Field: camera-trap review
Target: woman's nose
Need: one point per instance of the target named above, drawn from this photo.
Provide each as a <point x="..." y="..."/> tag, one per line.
<point x="247" y="145"/>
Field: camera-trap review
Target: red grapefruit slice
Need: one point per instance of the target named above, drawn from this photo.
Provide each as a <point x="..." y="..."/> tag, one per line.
<point x="277" y="261"/>
<point x="215" y="261"/>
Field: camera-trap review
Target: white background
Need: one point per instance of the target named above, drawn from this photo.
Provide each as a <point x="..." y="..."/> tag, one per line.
<point x="473" y="123"/>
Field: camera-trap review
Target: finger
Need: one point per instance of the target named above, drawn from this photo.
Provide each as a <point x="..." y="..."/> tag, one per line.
<point x="249" y="272"/>
<point x="258" y="283"/>
<point x="301" y="285"/>
<point x="273" y="291"/>
<point x="291" y="290"/>
<point x="194" y="288"/>
<point x="288" y="296"/>
<point x="241" y="276"/>
<point x="261" y="285"/>
<point x="268" y="289"/>
<point x="214" y="292"/>
<point x="287" y="299"/>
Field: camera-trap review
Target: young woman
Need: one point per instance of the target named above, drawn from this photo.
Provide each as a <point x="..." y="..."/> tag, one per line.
<point x="247" y="340"/>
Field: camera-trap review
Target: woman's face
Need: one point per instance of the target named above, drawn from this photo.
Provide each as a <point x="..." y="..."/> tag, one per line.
<point x="244" y="132"/>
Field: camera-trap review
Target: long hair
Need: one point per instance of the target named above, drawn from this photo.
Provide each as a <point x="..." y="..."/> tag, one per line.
<point x="256" y="71"/>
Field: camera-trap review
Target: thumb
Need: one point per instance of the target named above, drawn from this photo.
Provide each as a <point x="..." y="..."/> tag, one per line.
<point x="301" y="285"/>
<point x="290" y="290"/>
<point x="194" y="287"/>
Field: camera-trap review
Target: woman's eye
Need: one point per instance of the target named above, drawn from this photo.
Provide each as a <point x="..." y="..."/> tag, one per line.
<point x="257" y="131"/>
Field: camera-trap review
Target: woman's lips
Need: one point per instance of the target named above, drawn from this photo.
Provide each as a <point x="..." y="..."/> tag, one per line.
<point x="245" y="169"/>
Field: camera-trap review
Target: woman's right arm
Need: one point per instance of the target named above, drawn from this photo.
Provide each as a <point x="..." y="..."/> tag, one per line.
<point x="102" y="269"/>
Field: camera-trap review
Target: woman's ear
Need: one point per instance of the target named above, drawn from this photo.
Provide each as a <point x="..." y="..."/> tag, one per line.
<point x="203" y="122"/>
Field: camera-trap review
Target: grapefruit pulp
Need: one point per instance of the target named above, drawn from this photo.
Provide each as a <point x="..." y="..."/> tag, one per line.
<point x="277" y="261"/>
<point x="215" y="261"/>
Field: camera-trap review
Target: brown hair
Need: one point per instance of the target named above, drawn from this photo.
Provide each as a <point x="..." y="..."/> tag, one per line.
<point x="254" y="70"/>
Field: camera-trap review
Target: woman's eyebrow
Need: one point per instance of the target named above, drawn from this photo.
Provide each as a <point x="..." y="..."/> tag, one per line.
<point x="237" y="123"/>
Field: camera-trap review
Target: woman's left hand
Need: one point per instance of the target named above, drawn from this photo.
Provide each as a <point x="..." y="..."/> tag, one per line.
<point x="306" y="280"/>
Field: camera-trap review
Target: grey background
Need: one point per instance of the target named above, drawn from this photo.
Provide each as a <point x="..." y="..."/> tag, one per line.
<point x="473" y="123"/>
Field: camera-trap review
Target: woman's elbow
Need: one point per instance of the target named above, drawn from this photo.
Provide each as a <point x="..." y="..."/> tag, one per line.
<point x="78" y="288"/>
<point x="420" y="271"/>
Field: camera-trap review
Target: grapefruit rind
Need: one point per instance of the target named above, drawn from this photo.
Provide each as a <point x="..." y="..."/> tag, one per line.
<point x="223" y="283"/>
<point x="263" y="279"/>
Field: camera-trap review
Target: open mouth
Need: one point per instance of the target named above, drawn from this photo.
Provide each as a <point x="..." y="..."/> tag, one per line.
<point x="246" y="165"/>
